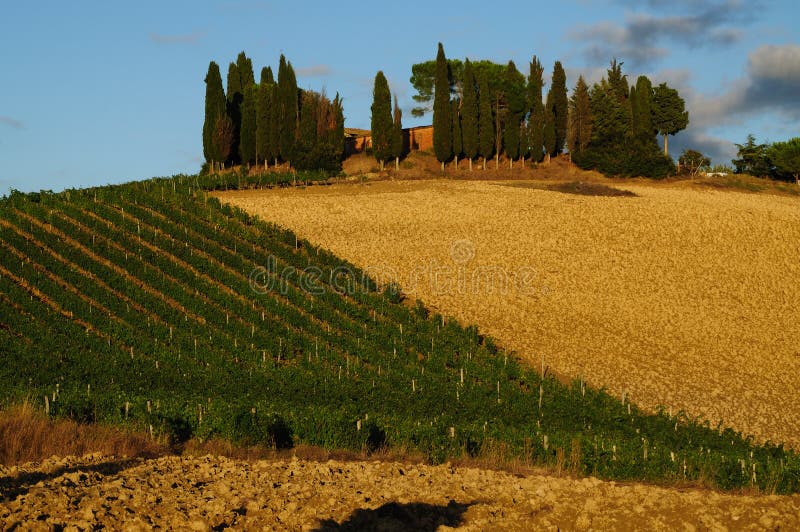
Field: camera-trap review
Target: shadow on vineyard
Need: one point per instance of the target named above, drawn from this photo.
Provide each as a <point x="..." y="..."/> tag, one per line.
<point x="132" y="305"/>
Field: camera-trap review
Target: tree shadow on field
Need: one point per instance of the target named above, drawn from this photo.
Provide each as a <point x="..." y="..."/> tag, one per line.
<point x="580" y="188"/>
<point x="395" y="516"/>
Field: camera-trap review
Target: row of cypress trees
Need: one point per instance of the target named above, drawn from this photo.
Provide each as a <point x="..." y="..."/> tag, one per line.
<point x="483" y="108"/>
<point x="386" y="123"/>
<point x="497" y="110"/>
<point x="270" y="121"/>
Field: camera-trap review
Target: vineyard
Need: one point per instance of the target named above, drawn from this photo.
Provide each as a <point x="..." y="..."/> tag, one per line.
<point x="153" y="305"/>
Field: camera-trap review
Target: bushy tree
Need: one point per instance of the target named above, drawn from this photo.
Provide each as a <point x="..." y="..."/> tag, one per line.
<point x="668" y="112"/>
<point x="469" y="113"/>
<point x="320" y="135"/>
<point x="381" y="122"/>
<point x="692" y="161"/>
<point x="752" y="158"/>
<point x="442" y="123"/>
<point x="535" y="129"/>
<point x="223" y="138"/>
<point x="785" y="156"/>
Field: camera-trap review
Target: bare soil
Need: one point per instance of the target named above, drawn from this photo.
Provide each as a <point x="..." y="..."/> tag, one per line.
<point x="204" y="493"/>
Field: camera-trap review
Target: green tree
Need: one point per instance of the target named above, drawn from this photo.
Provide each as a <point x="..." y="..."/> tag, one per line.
<point x="485" y="120"/>
<point x="223" y="138"/>
<point x="752" y="158"/>
<point x="456" y="133"/>
<point x="215" y="108"/>
<point x="266" y="76"/>
<point x="515" y="104"/>
<point x="336" y="134"/>
<point x="558" y="88"/>
<point x="288" y="113"/>
<point x="692" y="161"/>
<point x="469" y="113"/>
<point x="579" y="132"/>
<point x="274" y="123"/>
<point x="668" y="112"/>
<point x="235" y="95"/>
<point x="397" y="134"/>
<point x="442" y="140"/>
<point x="247" y="134"/>
<point x="245" y="67"/>
<point x="785" y="157"/>
<point x="549" y="130"/>
<point x="263" y="108"/>
<point x="535" y="129"/>
<point x="381" y="122"/>
<point x="642" y="109"/>
<point x="422" y="79"/>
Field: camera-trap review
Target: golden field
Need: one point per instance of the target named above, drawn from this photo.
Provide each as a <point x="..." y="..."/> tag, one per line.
<point x="682" y="298"/>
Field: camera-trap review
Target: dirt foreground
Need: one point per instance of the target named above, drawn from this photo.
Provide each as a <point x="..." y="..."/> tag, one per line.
<point x="216" y="492"/>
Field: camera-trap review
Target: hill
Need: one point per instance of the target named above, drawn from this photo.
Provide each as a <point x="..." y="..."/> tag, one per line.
<point x="153" y="305"/>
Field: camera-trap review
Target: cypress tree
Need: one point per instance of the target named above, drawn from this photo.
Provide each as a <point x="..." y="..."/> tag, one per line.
<point x="263" y="152"/>
<point x="643" y="128"/>
<point x="458" y="143"/>
<point x="580" y="118"/>
<point x="381" y="122"/>
<point x="288" y="114"/>
<point x="266" y="76"/>
<point x="215" y="108"/>
<point x="235" y="96"/>
<point x="306" y="154"/>
<point x="535" y="128"/>
<point x="549" y="128"/>
<point x="668" y="112"/>
<point x="485" y="121"/>
<point x="560" y="103"/>
<point x="223" y="138"/>
<point x="245" y="67"/>
<point x="274" y="123"/>
<point x="247" y="134"/>
<point x="337" y="131"/>
<point x="469" y="114"/>
<point x="397" y="134"/>
<point x="515" y="109"/>
<point x="442" y="141"/>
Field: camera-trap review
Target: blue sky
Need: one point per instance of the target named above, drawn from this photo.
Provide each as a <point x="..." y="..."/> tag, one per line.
<point x="95" y="92"/>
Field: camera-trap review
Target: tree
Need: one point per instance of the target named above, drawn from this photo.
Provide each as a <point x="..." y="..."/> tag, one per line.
<point x="535" y="129"/>
<point x="247" y="134"/>
<point x="642" y="110"/>
<point x="469" y="114"/>
<point x="245" y="67"/>
<point x="215" y="109"/>
<point x="266" y="76"/>
<point x="397" y="134"/>
<point x="692" y="161"/>
<point x="381" y="122"/>
<point x="515" y="103"/>
<point x="422" y="79"/>
<point x="223" y="138"/>
<point x="456" y="134"/>
<point x="274" y="123"/>
<point x="580" y="118"/>
<point x="442" y="140"/>
<point x="263" y="111"/>
<point x="235" y="96"/>
<point x="668" y="112"/>
<point x="288" y="109"/>
<point x="558" y="88"/>
<point x="549" y="131"/>
<point x="752" y="158"/>
<point x="485" y="120"/>
<point x="785" y="156"/>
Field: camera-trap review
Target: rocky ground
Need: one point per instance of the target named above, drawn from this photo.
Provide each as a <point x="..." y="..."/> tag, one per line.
<point x="216" y="492"/>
